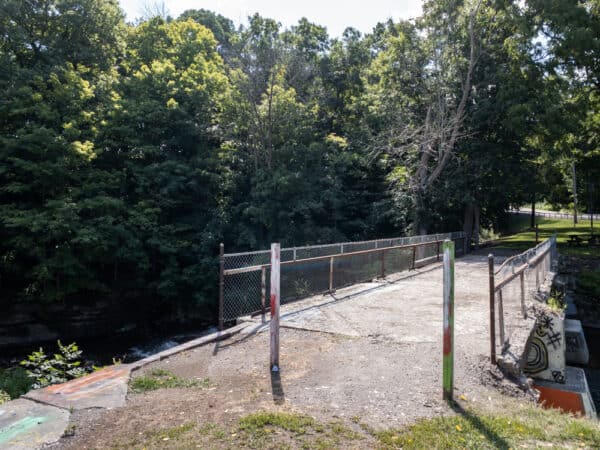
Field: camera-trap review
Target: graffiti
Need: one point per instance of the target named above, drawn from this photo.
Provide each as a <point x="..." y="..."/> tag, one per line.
<point x="554" y="340"/>
<point x="558" y="376"/>
<point x="572" y="343"/>
<point x="545" y="352"/>
<point x="537" y="357"/>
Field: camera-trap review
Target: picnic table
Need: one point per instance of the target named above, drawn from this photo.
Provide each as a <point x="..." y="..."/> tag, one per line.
<point x="577" y="239"/>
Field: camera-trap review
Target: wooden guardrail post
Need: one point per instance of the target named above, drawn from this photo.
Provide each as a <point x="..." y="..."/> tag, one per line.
<point x="275" y="303"/>
<point x="448" y="356"/>
<point x="501" y="317"/>
<point x="523" y="310"/>
<point x="221" y="284"/>
<point x="492" y="309"/>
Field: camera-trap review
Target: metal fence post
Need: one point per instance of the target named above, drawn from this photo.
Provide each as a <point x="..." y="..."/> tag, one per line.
<point x="263" y="289"/>
<point x="331" y="274"/>
<point x="492" y="309"/>
<point x="383" y="263"/>
<point x="221" y="283"/>
<point x="275" y="299"/>
<point x="414" y="257"/>
<point x="448" y="356"/>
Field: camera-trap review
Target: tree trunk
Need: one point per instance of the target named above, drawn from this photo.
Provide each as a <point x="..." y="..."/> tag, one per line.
<point x="533" y="210"/>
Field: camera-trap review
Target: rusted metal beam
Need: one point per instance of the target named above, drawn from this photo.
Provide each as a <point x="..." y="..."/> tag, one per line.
<point x="323" y="258"/>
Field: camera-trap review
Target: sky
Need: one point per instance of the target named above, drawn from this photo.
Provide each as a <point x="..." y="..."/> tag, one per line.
<point x="335" y="15"/>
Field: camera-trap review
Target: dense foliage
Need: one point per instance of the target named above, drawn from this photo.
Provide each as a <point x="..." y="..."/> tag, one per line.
<point x="128" y="152"/>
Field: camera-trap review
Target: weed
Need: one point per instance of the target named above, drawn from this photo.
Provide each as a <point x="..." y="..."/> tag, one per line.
<point x="4" y="397"/>
<point x="258" y="422"/>
<point x="160" y="379"/>
<point x="15" y="381"/>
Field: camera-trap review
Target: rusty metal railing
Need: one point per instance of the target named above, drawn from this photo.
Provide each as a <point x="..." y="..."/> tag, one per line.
<point x="517" y="279"/>
<point x="305" y="271"/>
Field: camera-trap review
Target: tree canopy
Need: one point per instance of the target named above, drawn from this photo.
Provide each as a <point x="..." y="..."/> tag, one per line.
<point x="129" y="151"/>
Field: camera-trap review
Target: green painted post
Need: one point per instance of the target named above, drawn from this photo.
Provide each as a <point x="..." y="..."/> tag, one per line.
<point x="448" y="357"/>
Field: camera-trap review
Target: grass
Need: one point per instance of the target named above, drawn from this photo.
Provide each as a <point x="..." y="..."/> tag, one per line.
<point x="521" y="426"/>
<point x="15" y="382"/>
<point x="588" y="283"/>
<point x="161" y="379"/>
<point x="524" y="237"/>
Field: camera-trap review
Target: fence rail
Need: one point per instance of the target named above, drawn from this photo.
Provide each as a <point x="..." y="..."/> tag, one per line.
<point x="556" y="215"/>
<point x="516" y="280"/>
<point x="310" y="270"/>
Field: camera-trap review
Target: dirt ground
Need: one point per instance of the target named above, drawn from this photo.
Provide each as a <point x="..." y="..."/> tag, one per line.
<point x="372" y="357"/>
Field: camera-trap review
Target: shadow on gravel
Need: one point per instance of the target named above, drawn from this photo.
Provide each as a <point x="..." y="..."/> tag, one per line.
<point x="492" y="436"/>
<point x="277" y="388"/>
<point x="237" y="340"/>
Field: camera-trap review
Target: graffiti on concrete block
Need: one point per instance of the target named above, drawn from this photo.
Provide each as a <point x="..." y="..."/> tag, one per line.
<point x="545" y="348"/>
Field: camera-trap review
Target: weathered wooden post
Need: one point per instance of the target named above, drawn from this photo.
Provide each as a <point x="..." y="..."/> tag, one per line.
<point x="448" y="358"/>
<point x="275" y="300"/>
<point x="492" y="309"/>
<point x="523" y="310"/>
<point x="221" y="283"/>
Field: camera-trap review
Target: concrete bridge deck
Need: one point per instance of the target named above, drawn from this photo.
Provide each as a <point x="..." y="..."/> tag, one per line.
<point x="371" y="351"/>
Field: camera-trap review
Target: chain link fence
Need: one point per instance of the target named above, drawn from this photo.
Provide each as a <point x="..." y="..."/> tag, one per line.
<point x="311" y="270"/>
<point x="514" y="283"/>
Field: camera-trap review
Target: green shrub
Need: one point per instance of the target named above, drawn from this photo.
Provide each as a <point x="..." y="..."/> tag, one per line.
<point x="15" y="381"/>
<point x="64" y="366"/>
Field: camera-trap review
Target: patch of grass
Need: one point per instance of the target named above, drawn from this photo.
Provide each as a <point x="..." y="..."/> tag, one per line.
<point x="257" y="423"/>
<point x="161" y="379"/>
<point x="525" y="238"/>
<point x="15" y="381"/>
<point x="521" y="426"/>
<point x="530" y="428"/>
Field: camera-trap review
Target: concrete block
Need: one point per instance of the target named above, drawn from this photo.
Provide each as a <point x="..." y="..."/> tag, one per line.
<point x="573" y="395"/>
<point x="576" y="350"/>
<point x="29" y="425"/>
<point x="105" y="388"/>
<point x="571" y="312"/>
<point x="546" y="347"/>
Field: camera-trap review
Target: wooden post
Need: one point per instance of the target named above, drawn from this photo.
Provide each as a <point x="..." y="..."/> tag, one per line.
<point x="523" y="311"/>
<point x="438" y="251"/>
<point x="275" y="300"/>
<point x="263" y="289"/>
<point x="492" y="309"/>
<point x="501" y="317"/>
<point x="383" y="263"/>
<point x="537" y="234"/>
<point x="448" y="357"/>
<point x="331" y="274"/>
<point x="221" y="284"/>
<point x="414" y="257"/>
